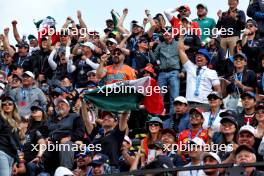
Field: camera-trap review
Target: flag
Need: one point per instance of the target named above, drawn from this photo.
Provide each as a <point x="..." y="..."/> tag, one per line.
<point x="44" y="27"/>
<point x="128" y="95"/>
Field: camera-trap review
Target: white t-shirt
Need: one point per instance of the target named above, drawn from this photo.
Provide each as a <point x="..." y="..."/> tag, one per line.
<point x="209" y="79"/>
<point x="192" y="172"/>
<point x="216" y="123"/>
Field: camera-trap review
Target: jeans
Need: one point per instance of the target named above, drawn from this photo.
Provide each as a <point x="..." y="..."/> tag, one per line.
<point x="33" y="169"/>
<point x="6" y="164"/>
<point x="171" y="80"/>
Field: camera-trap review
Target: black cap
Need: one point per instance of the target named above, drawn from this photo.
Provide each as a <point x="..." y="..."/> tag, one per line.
<point x="113" y="115"/>
<point x="248" y="94"/>
<point x="36" y="108"/>
<point x="99" y="159"/>
<point x="7" y="98"/>
<point x="214" y="94"/>
<point x="22" y="44"/>
<point x="228" y="113"/>
<point x="244" y="147"/>
<point x="170" y="131"/>
<point x="253" y="22"/>
<point x="260" y="106"/>
<point x="229" y="119"/>
<point x="156" y="145"/>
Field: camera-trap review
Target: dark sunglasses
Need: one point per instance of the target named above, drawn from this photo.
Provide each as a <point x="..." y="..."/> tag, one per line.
<point x="109" y="43"/>
<point x="238" y="58"/>
<point x="64" y="36"/>
<point x="154" y="124"/>
<point x="260" y="111"/>
<point x="249" y="26"/>
<point x="117" y="53"/>
<point x="195" y="115"/>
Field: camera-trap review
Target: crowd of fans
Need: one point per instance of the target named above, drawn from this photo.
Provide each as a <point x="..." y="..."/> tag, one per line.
<point x="215" y="84"/>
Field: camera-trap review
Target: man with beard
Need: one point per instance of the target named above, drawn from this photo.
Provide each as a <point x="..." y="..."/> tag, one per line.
<point x="83" y="160"/>
<point x="116" y="72"/>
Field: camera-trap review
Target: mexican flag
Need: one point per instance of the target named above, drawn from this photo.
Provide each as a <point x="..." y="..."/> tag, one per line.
<point x="46" y="27"/>
<point x="128" y="95"/>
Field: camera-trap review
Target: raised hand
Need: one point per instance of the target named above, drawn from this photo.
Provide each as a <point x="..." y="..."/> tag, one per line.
<point x="125" y="11"/>
<point x="79" y="14"/>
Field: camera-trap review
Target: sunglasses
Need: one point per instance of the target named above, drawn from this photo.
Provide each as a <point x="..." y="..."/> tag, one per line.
<point x="239" y="59"/>
<point x="117" y="53"/>
<point x="212" y="98"/>
<point x="7" y="103"/>
<point x="260" y="111"/>
<point x="195" y="116"/>
<point x="109" y="43"/>
<point x="154" y="124"/>
<point x="249" y="26"/>
<point x="64" y="36"/>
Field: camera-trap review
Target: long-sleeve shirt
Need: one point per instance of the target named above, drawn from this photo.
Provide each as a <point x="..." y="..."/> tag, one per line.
<point x="231" y="25"/>
<point x="25" y="98"/>
<point x="167" y="55"/>
<point x="52" y="63"/>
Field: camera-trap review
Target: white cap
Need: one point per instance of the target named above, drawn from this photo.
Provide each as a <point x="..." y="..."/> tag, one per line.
<point x="248" y="128"/>
<point x="198" y="141"/>
<point x="89" y="44"/>
<point x="29" y="73"/>
<point x="2" y="86"/>
<point x="181" y="99"/>
<point x="212" y="154"/>
<point x="57" y="100"/>
<point x="112" y="40"/>
<point x="126" y="138"/>
<point x="62" y="171"/>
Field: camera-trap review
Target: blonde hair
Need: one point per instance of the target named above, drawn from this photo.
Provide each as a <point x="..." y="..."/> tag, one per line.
<point x="14" y="120"/>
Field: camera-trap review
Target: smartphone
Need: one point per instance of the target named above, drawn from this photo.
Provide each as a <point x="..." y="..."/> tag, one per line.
<point x="151" y="155"/>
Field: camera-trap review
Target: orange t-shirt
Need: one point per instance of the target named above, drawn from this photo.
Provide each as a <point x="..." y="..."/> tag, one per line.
<point x="116" y="74"/>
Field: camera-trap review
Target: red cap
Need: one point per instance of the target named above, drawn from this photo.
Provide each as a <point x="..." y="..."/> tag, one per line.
<point x="199" y="110"/>
<point x="150" y="70"/>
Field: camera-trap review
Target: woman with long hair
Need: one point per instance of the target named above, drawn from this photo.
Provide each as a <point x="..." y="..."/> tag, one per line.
<point x="35" y="135"/>
<point x="154" y="127"/>
<point x="9" y="135"/>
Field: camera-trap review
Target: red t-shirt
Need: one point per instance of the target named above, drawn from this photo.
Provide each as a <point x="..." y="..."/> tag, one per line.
<point x="176" y="25"/>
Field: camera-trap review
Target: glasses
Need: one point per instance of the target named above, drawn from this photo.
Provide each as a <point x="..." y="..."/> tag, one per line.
<point x="144" y="41"/>
<point x="227" y="124"/>
<point x="249" y="26"/>
<point x="109" y="43"/>
<point x="7" y="103"/>
<point x="239" y="59"/>
<point x="195" y="116"/>
<point x="260" y="111"/>
<point x="154" y="124"/>
<point x="117" y="53"/>
<point x="15" y="80"/>
<point x="63" y="36"/>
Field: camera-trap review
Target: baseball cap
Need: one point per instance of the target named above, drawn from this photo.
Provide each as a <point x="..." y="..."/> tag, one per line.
<point x="36" y="108"/>
<point x="155" y="119"/>
<point x="180" y="99"/>
<point x="184" y="7"/>
<point x="197" y="141"/>
<point x="212" y="154"/>
<point x="99" y="159"/>
<point x="242" y="55"/>
<point x="112" y="40"/>
<point x="62" y="171"/>
<point x="259" y="106"/>
<point x="89" y="44"/>
<point x="244" y="147"/>
<point x="22" y="44"/>
<point x="247" y="128"/>
<point x="31" y="37"/>
<point x="58" y="100"/>
<point x="29" y="73"/>
<point x="16" y="76"/>
<point x="214" y="94"/>
<point x="170" y="131"/>
<point x="202" y="5"/>
<point x="113" y="115"/>
<point x="157" y="144"/>
<point x="229" y="118"/>
<point x="228" y="113"/>
<point x="7" y="98"/>
<point x="150" y="70"/>
<point x="253" y="22"/>
<point x="248" y="94"/>
<point x="199" y="110"/>
<point x="205" y="53"/>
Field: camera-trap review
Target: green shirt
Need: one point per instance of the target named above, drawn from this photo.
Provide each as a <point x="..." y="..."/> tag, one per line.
<point x="206" y="25"/>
